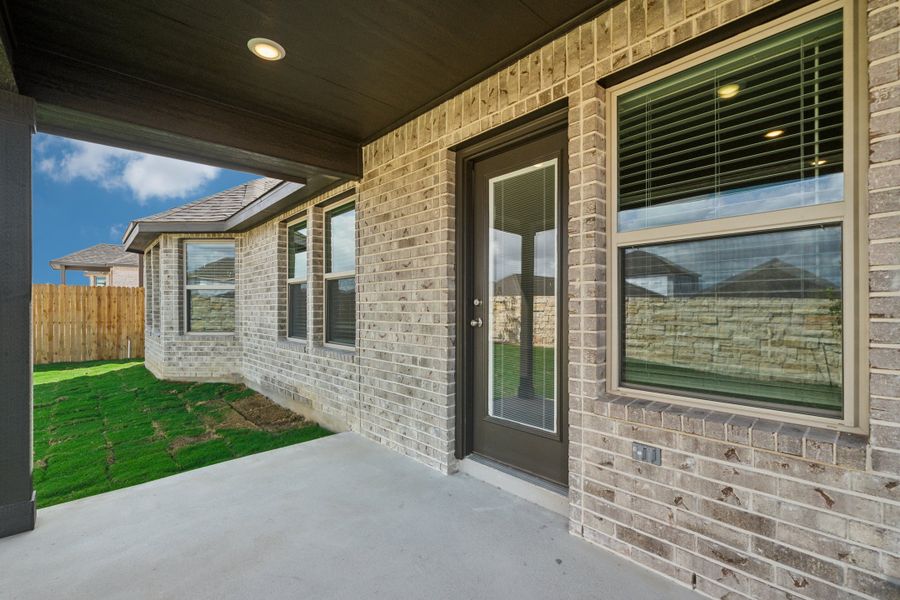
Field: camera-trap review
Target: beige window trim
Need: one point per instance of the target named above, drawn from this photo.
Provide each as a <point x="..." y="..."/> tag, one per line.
<point x="850" y="214"/>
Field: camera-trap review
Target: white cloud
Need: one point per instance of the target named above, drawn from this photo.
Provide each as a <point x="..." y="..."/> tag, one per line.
<point x="146" y="176"/>
<point x="116" y="230"/>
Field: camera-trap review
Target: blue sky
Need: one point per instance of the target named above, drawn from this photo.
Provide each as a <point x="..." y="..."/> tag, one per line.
<point x="85" y="194"/>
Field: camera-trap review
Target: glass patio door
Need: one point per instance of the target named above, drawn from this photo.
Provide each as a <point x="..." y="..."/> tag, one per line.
<point x="518" y="408"/>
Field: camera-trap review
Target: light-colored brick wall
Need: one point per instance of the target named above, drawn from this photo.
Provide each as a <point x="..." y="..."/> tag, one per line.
<point x="741" y="508"/>
<point x="171" y="353"/>
<point x="316" y="380"/>
<point x="124" y="277"/>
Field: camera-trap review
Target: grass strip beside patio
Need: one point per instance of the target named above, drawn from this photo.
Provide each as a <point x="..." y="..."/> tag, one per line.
<point x="104" y="425"/>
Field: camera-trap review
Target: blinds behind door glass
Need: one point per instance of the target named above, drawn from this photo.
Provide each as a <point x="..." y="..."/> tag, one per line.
<point x="755" y="130"/>
<point x="522" y="301"/>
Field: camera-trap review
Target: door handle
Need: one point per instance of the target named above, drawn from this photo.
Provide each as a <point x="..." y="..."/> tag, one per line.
<point x="476" y="322"/>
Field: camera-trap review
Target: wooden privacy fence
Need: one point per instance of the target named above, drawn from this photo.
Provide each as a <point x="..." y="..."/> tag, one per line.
<point x="77" y="323"/>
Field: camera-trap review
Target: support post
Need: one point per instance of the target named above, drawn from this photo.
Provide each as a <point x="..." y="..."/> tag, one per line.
<point x="62" y="275"/>
<point x="526" y="337"/>
<point x="17" y="507"/>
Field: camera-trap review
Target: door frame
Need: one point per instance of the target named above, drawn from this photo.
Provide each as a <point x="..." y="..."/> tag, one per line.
<point x="527" y="128"/>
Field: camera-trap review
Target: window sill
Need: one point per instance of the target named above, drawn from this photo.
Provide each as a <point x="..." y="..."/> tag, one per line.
<point x="294" y="344"/>
<point x="815" y="444"/>
<point x="343" y="353"/>
<point x="207" y="337"/>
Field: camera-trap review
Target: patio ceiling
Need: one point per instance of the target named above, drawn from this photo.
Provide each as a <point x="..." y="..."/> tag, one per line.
<point x="175" y="77"/>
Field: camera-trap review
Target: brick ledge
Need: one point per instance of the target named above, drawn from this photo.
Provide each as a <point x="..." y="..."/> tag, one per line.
<point x="812" y="443"/>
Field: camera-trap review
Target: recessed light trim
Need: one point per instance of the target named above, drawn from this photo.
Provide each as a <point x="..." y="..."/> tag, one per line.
<point x="266" y="49"/>
<point x="729" y="90"/>
<point x="774" y="133"/>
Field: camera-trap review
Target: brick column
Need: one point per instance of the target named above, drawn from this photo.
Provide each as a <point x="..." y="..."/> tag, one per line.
<point x="315" y="272"/>
<point x="17" y="511"/>
<point x="587" y="280"/>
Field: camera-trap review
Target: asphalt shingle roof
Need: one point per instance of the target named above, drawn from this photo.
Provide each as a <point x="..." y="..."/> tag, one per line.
<point x="101" y="255"/>
<point x="217" y="207"/>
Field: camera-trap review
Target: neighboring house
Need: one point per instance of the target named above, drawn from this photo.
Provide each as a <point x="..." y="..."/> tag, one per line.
<point x="654" y="275"/>
<point x="105" y="265"/>
<point x="775" y="279"/>
<point x="362" y="297"/>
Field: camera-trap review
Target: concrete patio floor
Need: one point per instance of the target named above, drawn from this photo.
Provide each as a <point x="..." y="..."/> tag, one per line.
<point x="339" y="517"/>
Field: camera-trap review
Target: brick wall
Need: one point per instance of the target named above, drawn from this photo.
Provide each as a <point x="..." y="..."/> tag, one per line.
<point x="305" y="375"/>
<point x="741" y="508"/>
<point x="170" y="352"/>
<point x="124" y="277"/>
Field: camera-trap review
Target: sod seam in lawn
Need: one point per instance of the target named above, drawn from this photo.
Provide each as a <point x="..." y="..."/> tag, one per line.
<point x="104" y="425"/>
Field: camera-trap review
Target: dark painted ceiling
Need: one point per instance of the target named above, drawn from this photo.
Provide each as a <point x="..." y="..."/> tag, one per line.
<point x="353" y="67"/>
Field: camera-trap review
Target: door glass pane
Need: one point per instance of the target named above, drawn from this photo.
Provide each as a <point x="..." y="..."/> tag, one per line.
<point x="755" y="317"/>
<point x="522" y="303"/>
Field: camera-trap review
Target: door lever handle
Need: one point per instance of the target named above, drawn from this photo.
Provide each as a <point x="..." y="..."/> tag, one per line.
<point x="476" y="322"/>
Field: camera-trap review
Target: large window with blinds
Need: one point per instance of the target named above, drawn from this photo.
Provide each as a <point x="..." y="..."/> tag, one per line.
<point x="209" y="286"/>
<point x="297" y="285"/>
<point x="340" y="275"/>
<point x="730" y="224"/>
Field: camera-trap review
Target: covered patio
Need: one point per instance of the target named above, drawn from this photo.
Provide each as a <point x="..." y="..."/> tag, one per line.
<point x="339" y="517"/>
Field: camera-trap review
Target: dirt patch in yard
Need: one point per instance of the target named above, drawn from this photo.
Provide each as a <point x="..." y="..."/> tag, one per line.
<point x="266" y="414"/>
<point x="183" y="441"/>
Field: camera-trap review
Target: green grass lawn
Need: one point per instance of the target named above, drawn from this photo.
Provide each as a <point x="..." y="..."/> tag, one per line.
<point x="506" y="370"/>
<point x="100" y="426"/>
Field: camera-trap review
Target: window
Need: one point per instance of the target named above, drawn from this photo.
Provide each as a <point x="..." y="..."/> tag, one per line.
<point x="340" y="275"/>
<point x="100" y="281"/>
<point x="731" y="226"/>
<point x="209" y="286"/>
<point x="297" y="285"/>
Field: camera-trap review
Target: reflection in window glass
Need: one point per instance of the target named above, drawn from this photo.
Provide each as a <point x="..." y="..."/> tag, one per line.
<point x="210" y="310"/>
<point x="340" y="275"/>
<point x="756" y="317"/>
<point x="210" y="264"/>
<point x="340" y="313"/>
<point x="297" y="248"/>
<point x="209" y="278"/>
<point x="756" y="130"/>
<point x="297" y="302"/>
<point x="523" y="296"/>
<point x="340" y="232"/>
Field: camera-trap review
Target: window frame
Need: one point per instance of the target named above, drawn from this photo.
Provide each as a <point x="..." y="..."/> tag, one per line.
<point x="302" y="217"/>
<point x="186" y="289"/>
<point x="151" y="288"/>
<point x="330" y="276"/>
<point x="847" y="214"/>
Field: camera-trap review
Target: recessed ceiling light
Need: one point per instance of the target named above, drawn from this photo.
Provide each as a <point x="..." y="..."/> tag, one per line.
<point x="774" y="133"/>
<point x="728" y="91"/>
<point x="818" y="162"/>
<point x="266" y="49"/>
